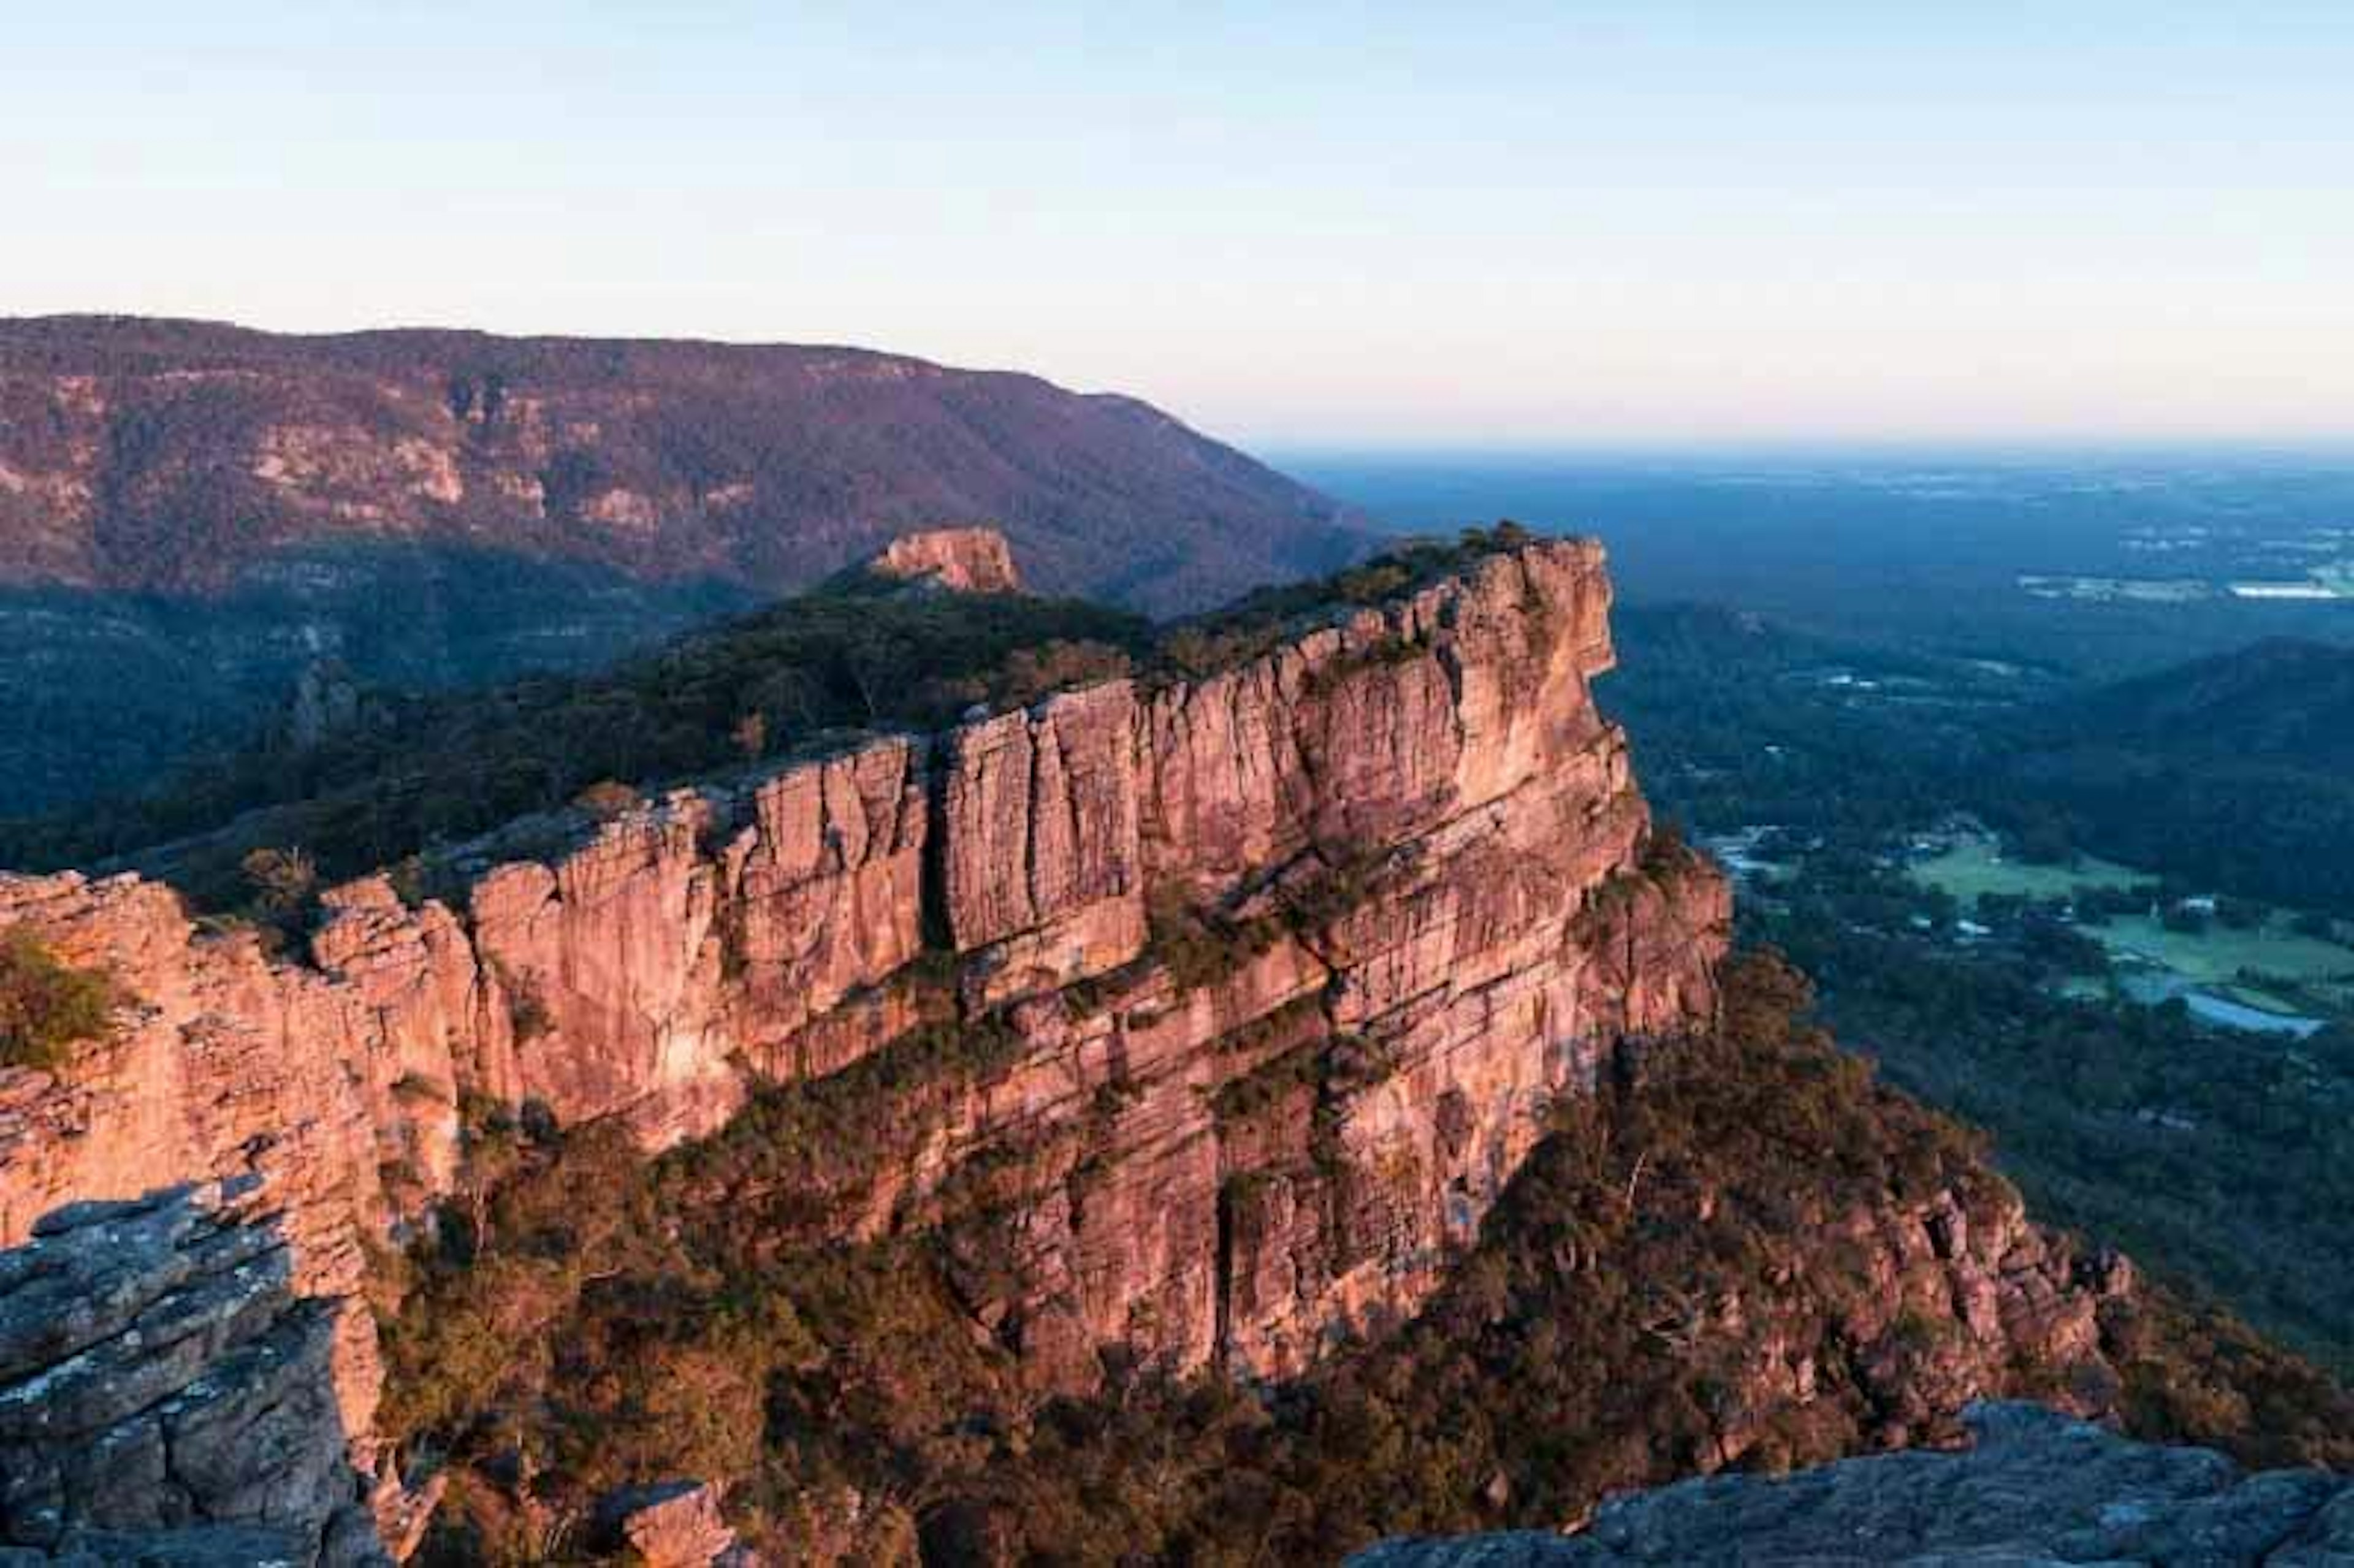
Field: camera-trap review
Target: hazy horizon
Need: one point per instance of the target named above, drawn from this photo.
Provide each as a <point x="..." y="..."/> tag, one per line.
<point x="1383" y="229"/>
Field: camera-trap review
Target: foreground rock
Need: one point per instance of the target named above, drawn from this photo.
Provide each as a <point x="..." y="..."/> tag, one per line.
<point x="166" y="1397"/>
<point x="673" y="1525"/>
<point x="2037" y="1488"/>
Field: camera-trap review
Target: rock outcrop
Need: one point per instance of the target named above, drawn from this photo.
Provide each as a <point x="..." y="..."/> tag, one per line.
<point x="2036" y="1489"/>
<point x="1284" y="964"/>
<point x="955" y="560"/>
<point x="672" y="1524"/>
<point x="166" y="1397"/>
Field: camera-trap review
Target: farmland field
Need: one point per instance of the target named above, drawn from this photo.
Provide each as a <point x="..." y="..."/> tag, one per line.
<point x="2303" y="973"/>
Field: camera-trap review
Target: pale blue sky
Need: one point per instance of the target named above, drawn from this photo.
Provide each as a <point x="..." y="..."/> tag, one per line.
<point x="1410" y="224"/>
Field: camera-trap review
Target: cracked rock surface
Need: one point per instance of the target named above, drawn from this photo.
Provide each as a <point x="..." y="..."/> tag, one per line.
<point x="2036" y="1489"/>
<point x="164" y="1396"/>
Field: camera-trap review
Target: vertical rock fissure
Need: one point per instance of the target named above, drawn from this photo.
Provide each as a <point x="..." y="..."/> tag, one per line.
<point x="1223" y="1308"/>
<point x="932" y="875"/>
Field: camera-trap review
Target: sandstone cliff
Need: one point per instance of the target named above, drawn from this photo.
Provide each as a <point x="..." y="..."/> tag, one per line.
<point x="959" y="560"/>
<point x="1290" y="958"/>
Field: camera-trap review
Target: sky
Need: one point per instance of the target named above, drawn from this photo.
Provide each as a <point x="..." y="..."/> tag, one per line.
<point x="1299" y="225"/>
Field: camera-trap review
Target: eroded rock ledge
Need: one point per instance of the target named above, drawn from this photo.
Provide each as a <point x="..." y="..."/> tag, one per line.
<point x="2036" y="1489"/>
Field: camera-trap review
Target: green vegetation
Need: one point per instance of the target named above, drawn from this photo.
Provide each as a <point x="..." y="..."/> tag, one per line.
<point x="2236" y="772"/>
<point x="2222" y="1161"/>
<point x="1261" y="621"/>
<point x="2217" y="1159"/>
<point x="1975" y="865"/>
<point x="442" y="769"/>
<point x="48" y="1007"/>
<point x="2218" y="954"/>
<point x="2289" y="952"/>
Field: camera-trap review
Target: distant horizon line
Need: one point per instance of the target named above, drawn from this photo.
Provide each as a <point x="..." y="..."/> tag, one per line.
<point x="1788" y="446"/>
<point x="1989" y="449"/>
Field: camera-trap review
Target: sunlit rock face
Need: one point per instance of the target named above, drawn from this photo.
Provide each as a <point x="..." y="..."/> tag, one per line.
<point x="955" y="560"/>
<point x="1434" y="901"/>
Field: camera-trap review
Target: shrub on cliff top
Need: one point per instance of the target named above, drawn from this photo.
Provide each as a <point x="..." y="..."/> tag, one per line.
<point x="46" y="1005"/>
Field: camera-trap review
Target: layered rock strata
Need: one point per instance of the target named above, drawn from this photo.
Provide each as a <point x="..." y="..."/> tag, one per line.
<point x="2036" y="1489"/>
<point x="165" y="1396"/>
<point x="1291" y="959"/>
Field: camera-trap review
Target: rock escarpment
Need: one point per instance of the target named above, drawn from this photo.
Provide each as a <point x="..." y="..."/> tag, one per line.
<point x="165" y="1396"/>
<point x="1279" y="968"/>
<point x="1400" y="860"/>
<point x="2037" y="1488"/>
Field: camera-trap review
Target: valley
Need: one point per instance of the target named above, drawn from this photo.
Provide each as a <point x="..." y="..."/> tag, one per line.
<point x="2246" y="966"/>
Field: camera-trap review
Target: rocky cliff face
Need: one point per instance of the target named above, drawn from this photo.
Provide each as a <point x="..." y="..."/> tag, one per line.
<point x="164" y="1396"/>
<point x="2035" y="1489"/>
<point x="1282" y="965"/>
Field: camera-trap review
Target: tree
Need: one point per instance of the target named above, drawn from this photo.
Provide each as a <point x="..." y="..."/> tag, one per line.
<point x="283" y="881"/>
<point x="2312" y="923"/>
<point x="2241" y="914"/>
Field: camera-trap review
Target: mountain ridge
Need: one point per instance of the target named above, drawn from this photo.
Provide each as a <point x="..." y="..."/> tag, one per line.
<point x="193" y="513"/>
<point x="257" y="415"/>
<point x="2232" y="771"/>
